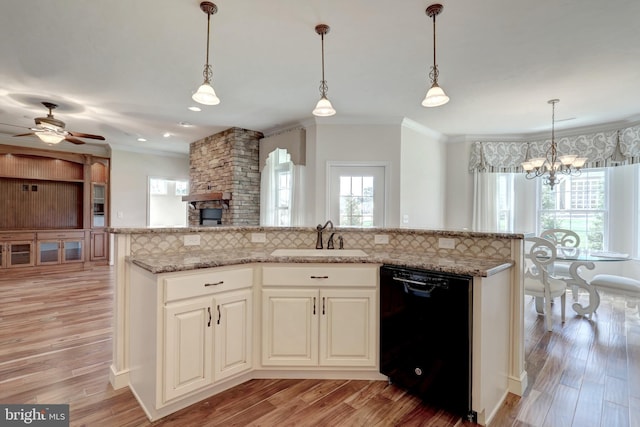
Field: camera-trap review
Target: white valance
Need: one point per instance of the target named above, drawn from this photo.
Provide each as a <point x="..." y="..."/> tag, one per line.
<point x="601" y="149"/>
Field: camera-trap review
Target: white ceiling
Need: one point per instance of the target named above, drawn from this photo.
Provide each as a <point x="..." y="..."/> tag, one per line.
<point x="127" y="69"/>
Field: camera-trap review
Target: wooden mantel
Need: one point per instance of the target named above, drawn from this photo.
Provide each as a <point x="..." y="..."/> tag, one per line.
<point x="205" y="197"/>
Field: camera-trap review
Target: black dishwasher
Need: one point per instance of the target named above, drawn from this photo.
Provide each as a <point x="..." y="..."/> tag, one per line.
<point x="426" y="335"/>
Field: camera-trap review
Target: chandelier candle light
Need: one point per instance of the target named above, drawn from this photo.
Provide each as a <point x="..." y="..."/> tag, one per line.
<point x="205" y="94"/>
<point x="323" y="107"/>
<point x="435" y="96"/>
<point x="549" y="166"/>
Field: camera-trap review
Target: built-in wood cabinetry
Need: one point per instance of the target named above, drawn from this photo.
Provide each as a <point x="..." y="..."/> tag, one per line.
<point x="58" y="202"/>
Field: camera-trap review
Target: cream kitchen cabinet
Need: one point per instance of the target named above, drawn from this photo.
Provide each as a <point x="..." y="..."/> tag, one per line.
<point x="319" y="315"/>
<point x="206" y="340"/>
<point x="191" y="333"/>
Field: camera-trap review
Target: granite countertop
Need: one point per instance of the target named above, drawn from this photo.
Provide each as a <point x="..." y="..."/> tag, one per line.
<point x="165" y="263"/>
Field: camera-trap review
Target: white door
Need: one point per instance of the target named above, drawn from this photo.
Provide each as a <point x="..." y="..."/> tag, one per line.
<point x="232" y="318"/>
<point x="289" y="327"/>
<point x="187" y="347"/>
<point x="347" y="334"/>
<point x="357" y="195"/>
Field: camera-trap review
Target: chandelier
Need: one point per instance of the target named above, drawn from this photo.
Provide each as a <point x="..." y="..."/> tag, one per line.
<point x="205" y="93"/>
<point x="323" y="107"/>
<point x="435" y="95"/>
<point x="552" y="165"/>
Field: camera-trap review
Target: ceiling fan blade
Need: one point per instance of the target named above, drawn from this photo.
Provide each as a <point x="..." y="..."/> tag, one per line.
<point x="86" y="135"/>
<point x="73" y="140"/>
<point x="25" y="134"/>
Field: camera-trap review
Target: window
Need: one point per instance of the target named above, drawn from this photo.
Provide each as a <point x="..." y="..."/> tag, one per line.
<point x="165" y="205"/>
<point x="578" y="203"/>
<point x="282" y="170"/>
<point x="505" y="202"/>
<point x="356" y="195"/>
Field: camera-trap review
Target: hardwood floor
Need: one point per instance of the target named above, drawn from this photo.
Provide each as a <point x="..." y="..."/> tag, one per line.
<point x="55" y="347"/>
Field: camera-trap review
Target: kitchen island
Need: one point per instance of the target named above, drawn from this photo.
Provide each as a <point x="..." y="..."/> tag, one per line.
<point x="158" y="276"/>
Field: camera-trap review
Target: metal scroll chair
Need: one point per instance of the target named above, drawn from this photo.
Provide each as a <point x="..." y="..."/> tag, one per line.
<point x="537" y="280"/>
<point x="567" y="242"/>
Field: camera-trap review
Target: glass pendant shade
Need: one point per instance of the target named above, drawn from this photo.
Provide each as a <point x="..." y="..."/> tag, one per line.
<point x="50" y="137"/>
<point x="435" y="97"/>
<point x="206" y="95"/>
<point x="324" y="108"/>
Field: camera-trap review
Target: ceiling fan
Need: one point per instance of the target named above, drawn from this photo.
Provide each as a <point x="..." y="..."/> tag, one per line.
<point x="51" y="130"/>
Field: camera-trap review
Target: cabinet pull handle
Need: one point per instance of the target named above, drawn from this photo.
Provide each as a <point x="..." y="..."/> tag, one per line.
<point x="219" y="314"/>
<point x="323" y="306"/>
<point x="319" y="277"/>
<point x="314" y="305"/>
<point x="209" y="310"/>
<point x="214" y="284"/>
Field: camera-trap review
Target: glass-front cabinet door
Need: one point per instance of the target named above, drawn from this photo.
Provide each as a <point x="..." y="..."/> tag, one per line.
<point x="48" y="252"/>
<point x="72" y="250"/>
<point x="20" y="254"/>
<point x="99" y="206"/>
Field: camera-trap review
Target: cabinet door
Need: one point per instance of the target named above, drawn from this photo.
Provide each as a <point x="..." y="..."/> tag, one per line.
<point x="98" y="245"/>
<point x="232" y="333"/>
<point x="187" y="346"/>
<point x="72" y="251"/>
<point x="19" y="254"/>
<point x="48" y="252"/>
<point x="99" y="206"/>
<point x="347" y="327"/>
<point x="289" y="327"/>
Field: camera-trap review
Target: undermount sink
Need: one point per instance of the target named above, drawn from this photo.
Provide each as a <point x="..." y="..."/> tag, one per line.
<point x="319" y="252"/>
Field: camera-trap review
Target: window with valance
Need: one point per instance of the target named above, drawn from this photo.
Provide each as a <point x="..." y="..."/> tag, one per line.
<point x="602" y="149"/>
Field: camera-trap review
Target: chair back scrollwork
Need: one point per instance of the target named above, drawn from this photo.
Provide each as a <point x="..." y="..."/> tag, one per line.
<point x="562" y="237"/>
<point x="542" y="253"/>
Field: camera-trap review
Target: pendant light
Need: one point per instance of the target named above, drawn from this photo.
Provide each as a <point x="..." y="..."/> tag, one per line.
<point x="323" y="107"/>
<point x="435" y="96"/>
<point x="205" y="93"/>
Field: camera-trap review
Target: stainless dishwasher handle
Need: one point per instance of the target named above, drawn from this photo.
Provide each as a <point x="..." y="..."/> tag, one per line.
<point x="414" y="282"/>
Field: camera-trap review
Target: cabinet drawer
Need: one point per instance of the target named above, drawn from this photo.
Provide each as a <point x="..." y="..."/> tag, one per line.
<point x="320" y="275"/>
<point x="16" y="236"/>
<point x="53" y="235"/>
<point x="192" y="284"/>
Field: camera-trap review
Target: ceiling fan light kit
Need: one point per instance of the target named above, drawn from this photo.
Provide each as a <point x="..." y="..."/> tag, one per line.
<point x="51" y="130"/>
<point x="323" y="107"/>
<point x="205" y="94"/>
<point x="435" y="95"/>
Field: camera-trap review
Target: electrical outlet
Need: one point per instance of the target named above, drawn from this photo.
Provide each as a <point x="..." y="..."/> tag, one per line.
<point x="191" y="240"/>
<point x="381" y="239"/>
<point x="405" y="219"/>
<point x="444" y="243"/>
<point x="258" y="237"/>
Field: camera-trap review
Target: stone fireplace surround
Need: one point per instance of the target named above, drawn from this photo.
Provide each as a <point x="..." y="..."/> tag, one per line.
<point x="227" y="162"/>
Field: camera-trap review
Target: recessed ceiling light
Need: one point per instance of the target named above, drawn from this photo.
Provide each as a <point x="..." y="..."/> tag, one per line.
<point x="185" y="124"/>
<point x="194" y="108"/>
<point x="142" y="140"/>
<point x="166" y="134"/>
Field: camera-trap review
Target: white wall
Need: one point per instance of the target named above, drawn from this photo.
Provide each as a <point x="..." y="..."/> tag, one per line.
<point x="357" y="143"/>
<point x="458" y="205"/>
<point x="422" y="179"/>
<point x="129" y="178"/>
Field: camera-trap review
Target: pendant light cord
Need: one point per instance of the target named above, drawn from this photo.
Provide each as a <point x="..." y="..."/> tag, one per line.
<point x="323" y="84"/>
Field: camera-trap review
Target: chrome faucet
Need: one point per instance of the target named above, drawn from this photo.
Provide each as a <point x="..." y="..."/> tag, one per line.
<point x="320" y="229"/>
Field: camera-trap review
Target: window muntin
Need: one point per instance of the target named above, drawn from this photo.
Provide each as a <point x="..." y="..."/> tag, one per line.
<point x="356" y="201"/>
<point x="578" y="203"/>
